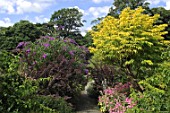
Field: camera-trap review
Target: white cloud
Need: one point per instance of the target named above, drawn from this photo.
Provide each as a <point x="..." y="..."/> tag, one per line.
<point x="84" y="30"/>
<point x="6" y="6"/>
<point x="167" y="5"/>
<point x="83" y="33"/>
<point x="5" y="22"/>
<point x="99" y="1"/>
<point x="41" y="19"/>
<point x="81" y="10"/>
<point x="98" y="11"/>
<point x="154" y="2"/>
<point x="157" y="2"/>
<point x="22" y="6"/>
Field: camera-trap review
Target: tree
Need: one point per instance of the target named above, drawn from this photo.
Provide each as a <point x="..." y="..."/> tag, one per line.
<point x="132" y="43"/>
<point x="133" y="4"/>
<point x="121" y="4"/>
<point x="46" y="28"/>
<point x="163" y="19"/>
<point x="25" y="29"/>
<point x="7" y="41"/>
<point x="67" y="21"/>
<point x="20" y="31"/>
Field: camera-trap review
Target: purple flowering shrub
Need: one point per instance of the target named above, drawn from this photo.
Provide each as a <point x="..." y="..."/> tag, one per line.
<point x="60" y="63"/>
<point x="115" y="100"/>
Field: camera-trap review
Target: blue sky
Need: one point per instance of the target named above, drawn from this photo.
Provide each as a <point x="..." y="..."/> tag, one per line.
<point x="12" y="11"/>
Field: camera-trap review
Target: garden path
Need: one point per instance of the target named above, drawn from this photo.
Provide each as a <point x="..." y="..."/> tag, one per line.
<point x="86" y="104"/>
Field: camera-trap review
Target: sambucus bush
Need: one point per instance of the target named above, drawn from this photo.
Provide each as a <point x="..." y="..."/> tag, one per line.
<point x="104" y="76"/>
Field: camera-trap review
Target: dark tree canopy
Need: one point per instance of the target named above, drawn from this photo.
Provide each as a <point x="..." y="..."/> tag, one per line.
<point x="163" y="19"/>
<point x="46" y="28"/>
<point x="119" y="5"/>
<point x="20" y="31"/>
<point x="67" y="20"/>
<point x="25" y="29"/>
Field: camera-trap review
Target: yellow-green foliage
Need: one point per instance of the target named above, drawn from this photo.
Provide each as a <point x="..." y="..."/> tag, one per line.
<point x="127" y="37"/>
<point x="135" y="45"/>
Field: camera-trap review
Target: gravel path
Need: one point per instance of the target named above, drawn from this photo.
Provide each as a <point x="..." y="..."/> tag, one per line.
<point x="85" y="104"/>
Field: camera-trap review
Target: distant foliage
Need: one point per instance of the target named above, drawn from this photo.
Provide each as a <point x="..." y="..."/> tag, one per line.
<point x="163" y="19"/>
<point x="119" y="5"/>
<point x="20" y="31"/>
<point x="67" y="21"/>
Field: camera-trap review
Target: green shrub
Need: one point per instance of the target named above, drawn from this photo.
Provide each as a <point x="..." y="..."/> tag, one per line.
<point x="18" y="94"/>
<point x="156" y="95"/>
<point x="16" y="91"/>
<point x="51" y="104"/>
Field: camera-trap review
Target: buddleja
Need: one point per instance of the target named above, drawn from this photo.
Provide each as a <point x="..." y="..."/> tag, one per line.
<point x="132" y="42"/>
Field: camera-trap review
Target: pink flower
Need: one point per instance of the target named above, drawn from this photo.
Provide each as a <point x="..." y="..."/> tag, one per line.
<point x="117" y="104"/>
<point x="130" y="106"/>
<point x="108" y="91"/>
<point x="128" y="100"/>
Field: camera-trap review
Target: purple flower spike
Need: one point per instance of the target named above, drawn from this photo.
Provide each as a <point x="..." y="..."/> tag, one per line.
<point x="28" y="51"/>
<point x="46" y="37"/>
<point x="86" y="71"/>
<point x="73" y="41"/>
<point x="65" y="41"/>
<point x="26" y="43"/>
<point x="51" y="38"/>
<point x="71" y="53"/>
<point x="44" y="55"/>
<point x="20" y="45"/>
<point x="62" y="26"/>
<point x="46" y="45"/>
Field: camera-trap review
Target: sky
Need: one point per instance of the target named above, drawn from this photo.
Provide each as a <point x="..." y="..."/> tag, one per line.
<point x="39" y="11"/>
